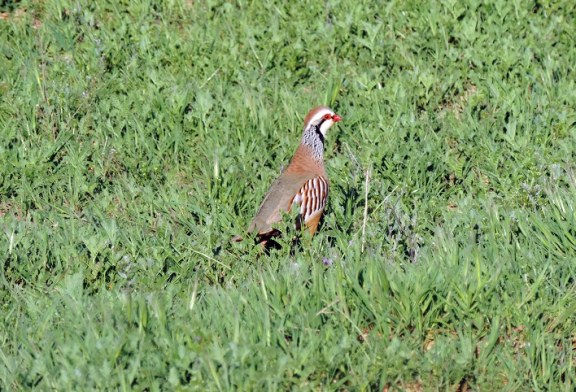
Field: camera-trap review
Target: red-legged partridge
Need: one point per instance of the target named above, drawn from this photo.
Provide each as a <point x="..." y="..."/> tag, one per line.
<point x="303" y="183"/>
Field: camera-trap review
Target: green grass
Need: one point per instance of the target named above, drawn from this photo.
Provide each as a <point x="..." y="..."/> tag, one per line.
<point x="137" y="139"/>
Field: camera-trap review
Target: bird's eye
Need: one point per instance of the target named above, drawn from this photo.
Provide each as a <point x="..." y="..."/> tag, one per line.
<point x="327" y="116"/>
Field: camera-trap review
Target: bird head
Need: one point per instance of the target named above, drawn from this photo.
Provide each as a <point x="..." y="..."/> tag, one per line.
<point x="321" y="117"/>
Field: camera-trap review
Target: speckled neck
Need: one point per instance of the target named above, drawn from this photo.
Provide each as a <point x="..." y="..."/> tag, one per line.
<point x="314" y="139"/>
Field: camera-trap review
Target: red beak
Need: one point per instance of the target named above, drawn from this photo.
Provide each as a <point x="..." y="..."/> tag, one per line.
<point x="336" y="118"/>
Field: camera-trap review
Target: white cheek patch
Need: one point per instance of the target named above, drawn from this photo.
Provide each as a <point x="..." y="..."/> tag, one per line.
<point x="325" y="126"/>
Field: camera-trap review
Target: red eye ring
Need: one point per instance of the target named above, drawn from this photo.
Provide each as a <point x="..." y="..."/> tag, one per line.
<point x="327" y="116"/>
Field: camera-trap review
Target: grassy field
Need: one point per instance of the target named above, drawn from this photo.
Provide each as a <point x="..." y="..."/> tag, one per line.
<point x="137" y="139"/>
